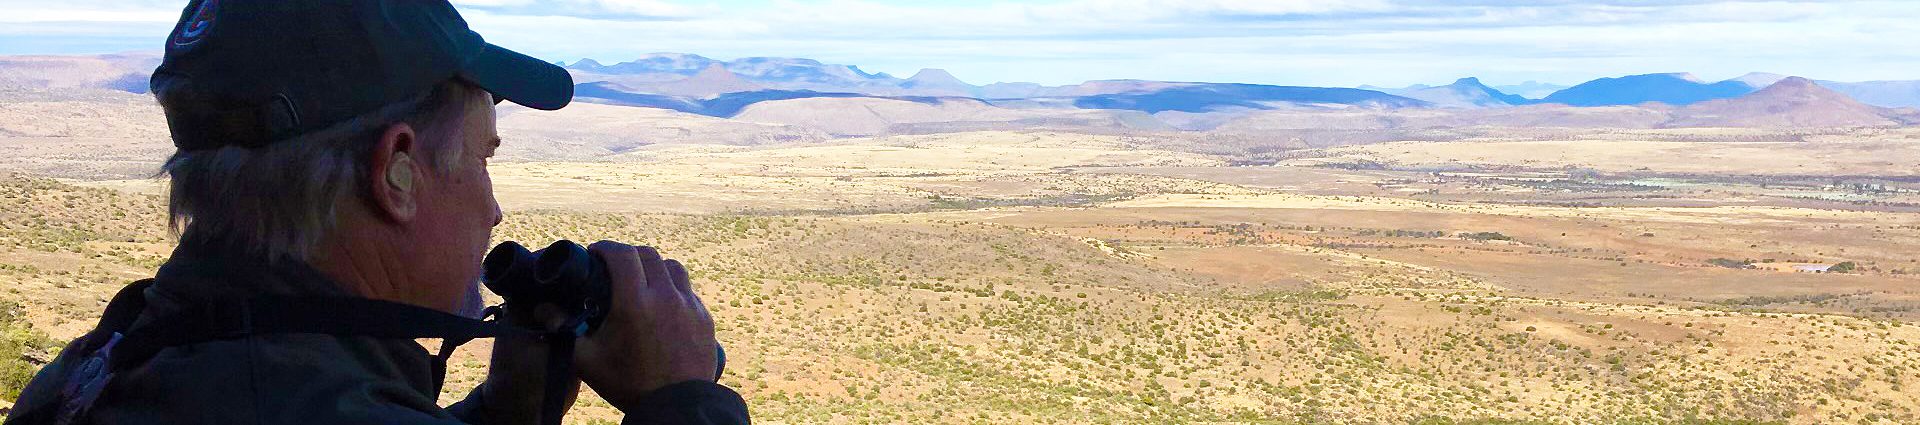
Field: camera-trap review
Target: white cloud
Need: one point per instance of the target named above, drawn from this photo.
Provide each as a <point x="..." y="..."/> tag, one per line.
<point x="1322" y="42"/>
<point x="602" y="9"/>
<point x="492" y="3"/>
<point x="42" y="14"/>
<point x="1146" y="10"/>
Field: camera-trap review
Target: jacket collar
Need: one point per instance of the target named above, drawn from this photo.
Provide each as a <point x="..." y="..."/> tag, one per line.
<point x="199" y="273"/>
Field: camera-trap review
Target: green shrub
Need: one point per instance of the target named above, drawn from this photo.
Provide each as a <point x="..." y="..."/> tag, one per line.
<point x="1731" y="263"/>
<point x="17" y="341"/>
<point x="1486" y="236"/>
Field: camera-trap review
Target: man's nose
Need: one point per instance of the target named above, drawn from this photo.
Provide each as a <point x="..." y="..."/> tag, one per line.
<point x="497" y="215"/>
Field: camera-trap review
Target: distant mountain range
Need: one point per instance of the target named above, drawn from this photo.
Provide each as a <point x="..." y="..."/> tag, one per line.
<point x="1530" y="89"/>
<point x="122" y="72"/>
<point x="649" y="71"/>
<point x="722" y="105"/>
<point x="759" y="88"/>
<point x="1208" y="97"/>
<point x="1674" y="89"/>
<point x="712" y="81"/>
<point x="697" y="84"/>
<point x="1677" y="89"/>
<point x="1790" y="102"/>
<point x="1891" y="94"/>
<point x="1463" y="93"/>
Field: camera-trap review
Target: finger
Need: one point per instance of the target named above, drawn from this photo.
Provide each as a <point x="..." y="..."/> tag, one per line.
<point x="706" y="316"/>
<point x="624" y="270"/>
<point x="699" y="307"/>
<point x="678" y="273"/>
<point x="656" y="269"/>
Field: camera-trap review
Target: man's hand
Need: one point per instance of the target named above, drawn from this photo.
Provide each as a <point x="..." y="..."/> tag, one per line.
<point x="657" y="332"/>
<point x="517" y="377"/>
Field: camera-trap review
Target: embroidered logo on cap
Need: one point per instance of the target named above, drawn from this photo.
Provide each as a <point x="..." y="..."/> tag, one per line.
<point x="196" y="26"/>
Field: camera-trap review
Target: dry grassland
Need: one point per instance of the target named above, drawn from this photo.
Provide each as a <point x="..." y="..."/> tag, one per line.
<point x="1867" y="153"/>
<point x="1010" y="277"/>
<point x="914" y="318"/>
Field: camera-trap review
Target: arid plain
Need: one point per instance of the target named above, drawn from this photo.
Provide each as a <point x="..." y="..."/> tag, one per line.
<point x="1716" y="275"/>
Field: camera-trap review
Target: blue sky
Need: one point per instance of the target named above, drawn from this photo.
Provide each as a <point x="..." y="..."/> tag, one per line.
<point x="1301" y="42"/>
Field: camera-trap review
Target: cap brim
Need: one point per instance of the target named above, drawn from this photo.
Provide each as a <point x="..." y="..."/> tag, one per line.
<point x="519" y="78"/>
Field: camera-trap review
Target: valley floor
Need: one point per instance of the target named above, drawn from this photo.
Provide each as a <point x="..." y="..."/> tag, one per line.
<point x="1008" y="277"/>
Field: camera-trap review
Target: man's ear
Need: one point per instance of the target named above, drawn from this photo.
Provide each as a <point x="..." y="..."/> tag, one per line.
<point x="393" y="174"/>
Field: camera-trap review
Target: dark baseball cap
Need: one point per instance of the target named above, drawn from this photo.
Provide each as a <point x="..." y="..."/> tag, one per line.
<point x="252" y="72"/>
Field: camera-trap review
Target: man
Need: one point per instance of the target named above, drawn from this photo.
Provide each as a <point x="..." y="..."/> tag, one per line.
<point x="338" y="150"/>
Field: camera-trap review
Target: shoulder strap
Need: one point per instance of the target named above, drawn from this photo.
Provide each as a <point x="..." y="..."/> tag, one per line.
<point x="121" y="345"/>
<point x="125" y="306"/>
<point x="340" y="316"/>
<point x="119" y="315"/>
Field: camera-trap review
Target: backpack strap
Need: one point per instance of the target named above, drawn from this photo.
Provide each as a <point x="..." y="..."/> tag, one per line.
<point x="338" y="316"/>
<point x="116" y="345"/>
<point x="125" y="307"/>
<point x="82" y="373"/>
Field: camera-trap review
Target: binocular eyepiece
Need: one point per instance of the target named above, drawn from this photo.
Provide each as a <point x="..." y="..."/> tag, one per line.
<point x="563" y="274"/>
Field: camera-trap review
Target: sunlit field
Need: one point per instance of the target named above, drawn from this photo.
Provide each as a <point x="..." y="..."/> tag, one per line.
<point x="996" y="277"/>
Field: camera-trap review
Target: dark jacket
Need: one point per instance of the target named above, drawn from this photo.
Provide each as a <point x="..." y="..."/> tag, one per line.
<point x="304" y="378"/>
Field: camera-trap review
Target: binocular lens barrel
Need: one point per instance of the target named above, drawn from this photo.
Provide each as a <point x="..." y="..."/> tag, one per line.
<point x="563" y="274"/>
<point x="500" y="260"/>
<point x="508" y="271"/>
<point x="563" y="262"/>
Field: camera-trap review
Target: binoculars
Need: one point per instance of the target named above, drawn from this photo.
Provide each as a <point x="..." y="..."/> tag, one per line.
<point x="563" y="274"/>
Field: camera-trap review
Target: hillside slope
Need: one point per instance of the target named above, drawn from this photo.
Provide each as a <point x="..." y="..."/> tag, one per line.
<point x="123" y="72"/>
<point x="1889" y="94"/>
<point x="586" y="131"/>
<point x="712" y="81"/>
<point x="1209" y="97"/>
<point x="1792" y="102"/>
<point x="1464" y="93"/>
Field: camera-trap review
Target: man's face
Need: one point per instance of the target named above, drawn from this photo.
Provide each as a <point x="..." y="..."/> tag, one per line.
<point x="457" y="213"/>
